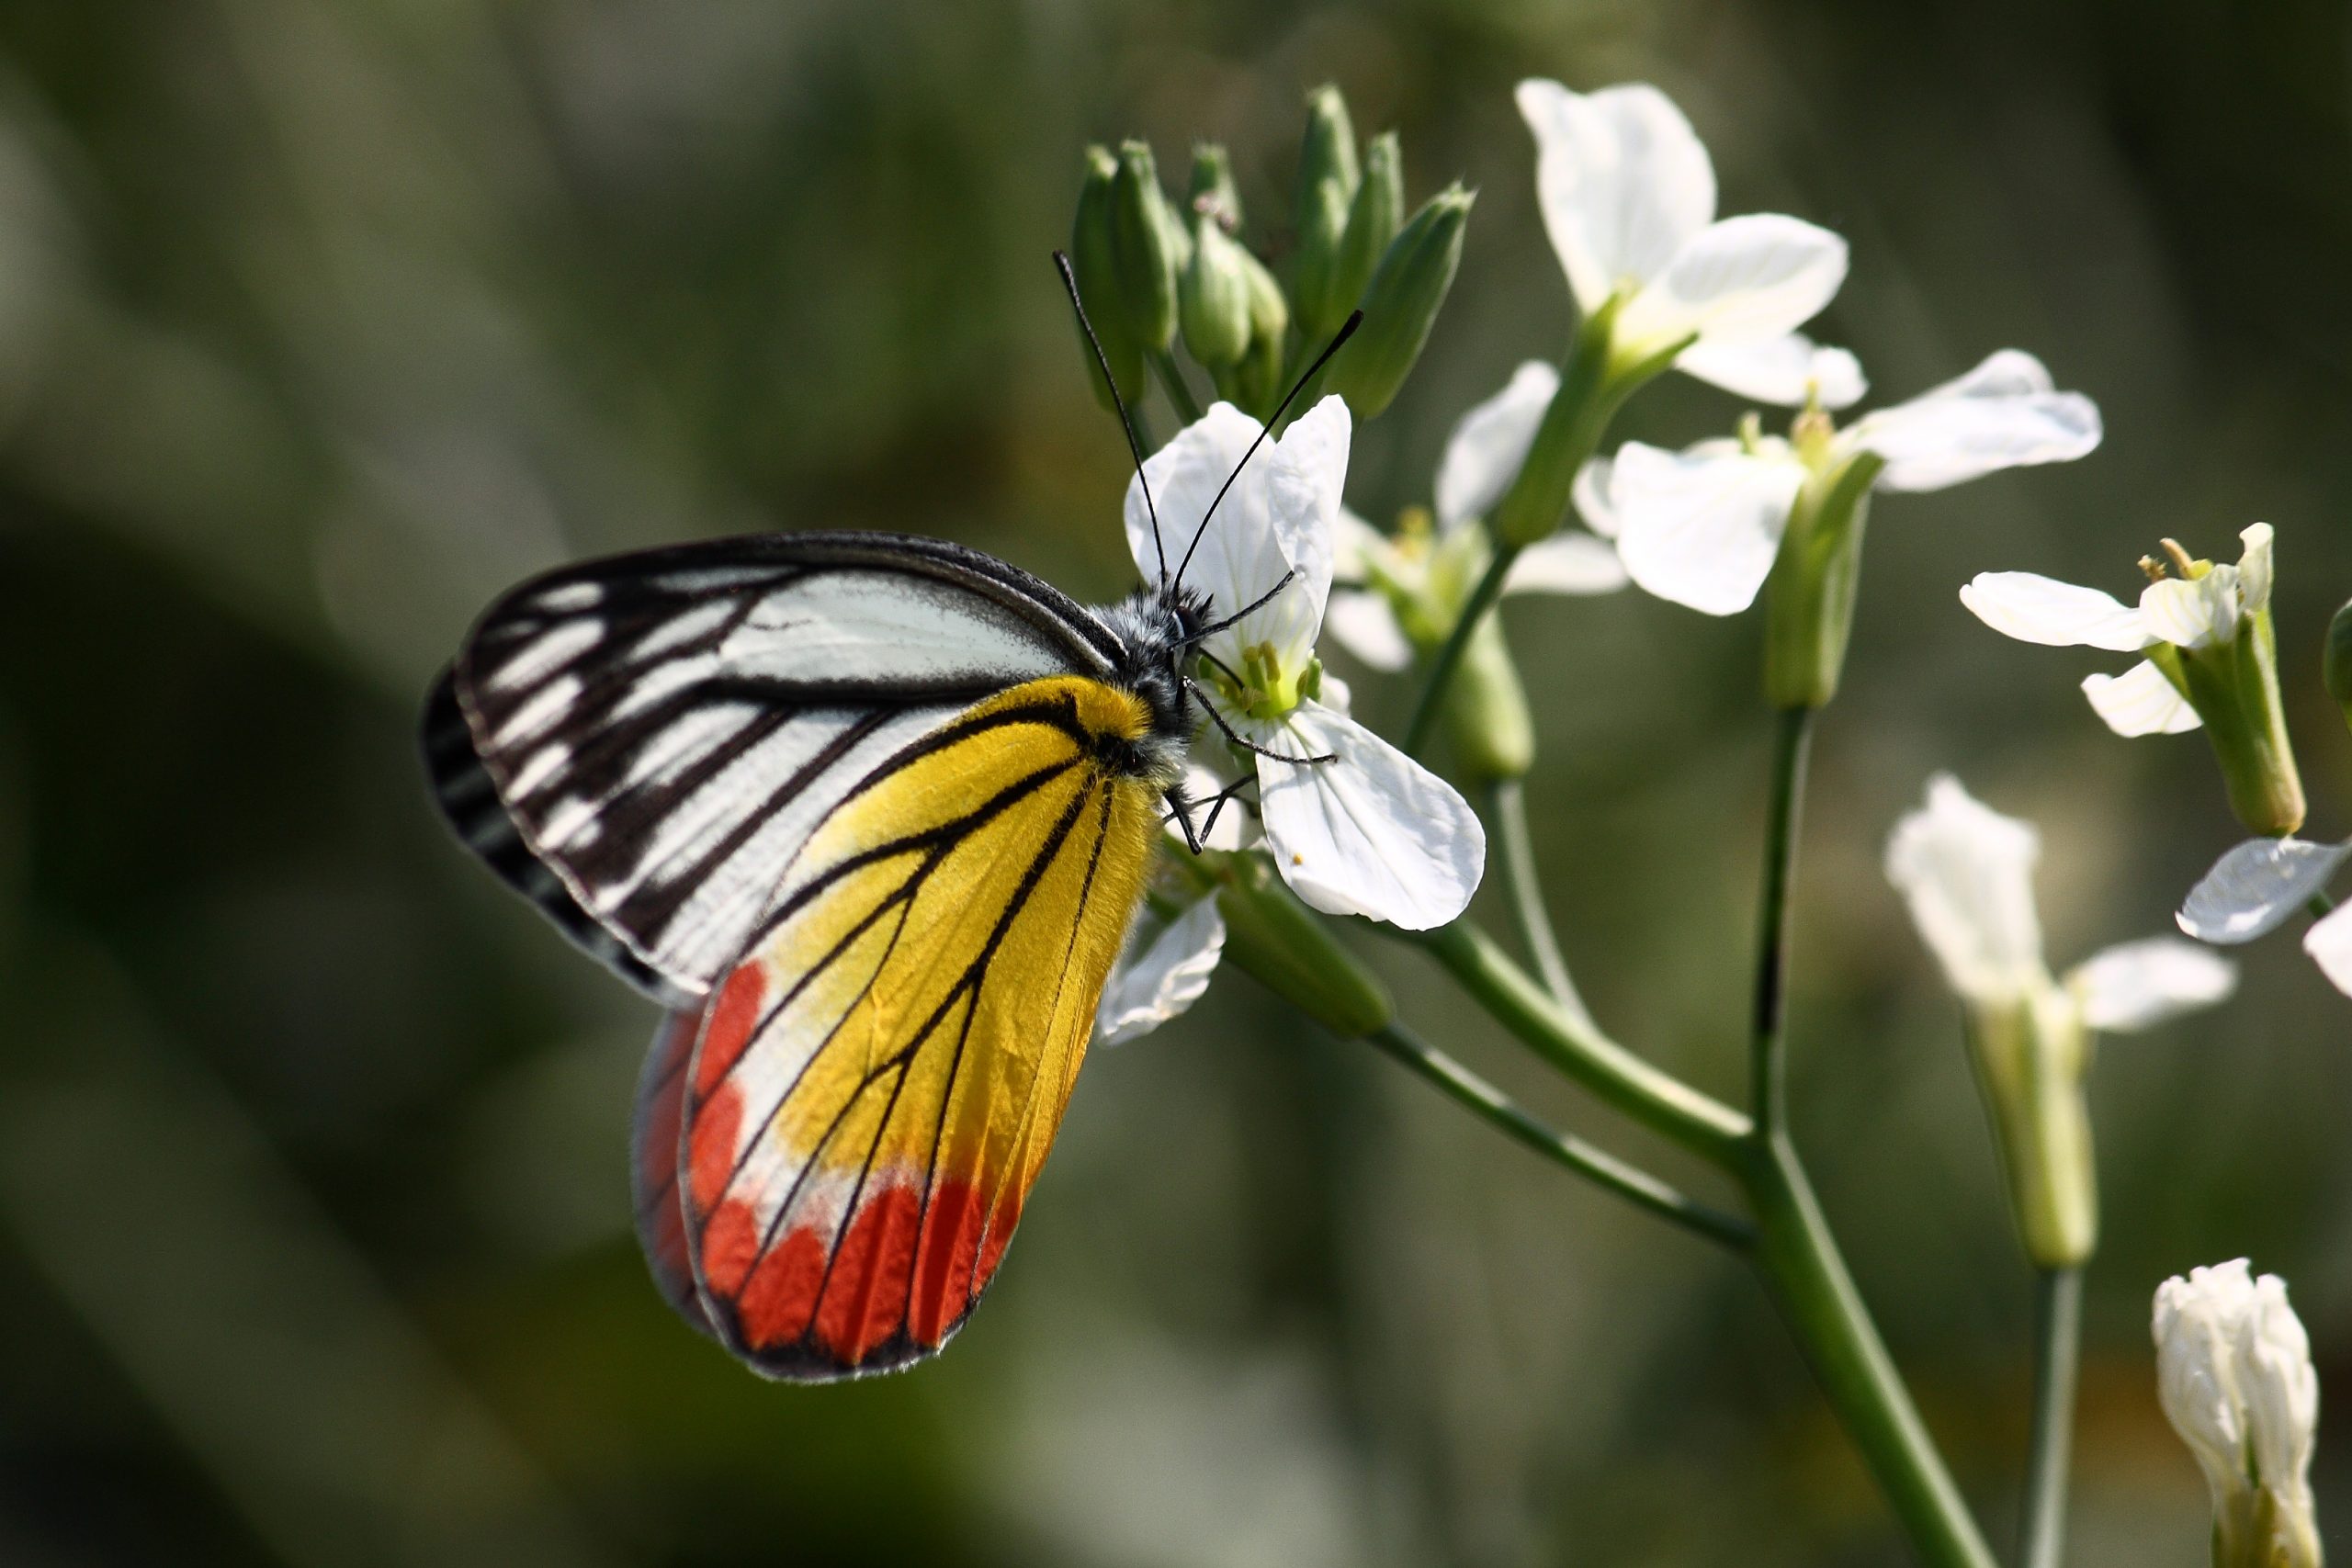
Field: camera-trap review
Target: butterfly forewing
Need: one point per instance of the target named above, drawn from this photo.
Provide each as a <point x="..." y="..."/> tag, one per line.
<point x="641" y="744"/>
<point x="878" y="1082"/>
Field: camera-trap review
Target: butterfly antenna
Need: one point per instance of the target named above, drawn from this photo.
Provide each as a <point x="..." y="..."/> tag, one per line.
<point x="1134" y="448"/>
<point x="1347" y="329"/>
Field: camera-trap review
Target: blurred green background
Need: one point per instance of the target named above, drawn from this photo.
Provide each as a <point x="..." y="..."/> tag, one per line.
<point x="321" y="322"/>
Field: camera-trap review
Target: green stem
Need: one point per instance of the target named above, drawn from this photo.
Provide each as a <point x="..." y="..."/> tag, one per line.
<point x="1657" y="1100"/>
<point x="1171" y="381"/>
<point x="1768" y="1056"/>
<point x="1508" y="806"/>
<point x="2057" y="1350"/>
<point x="2320" y="904"/>
<point x="1799" y="1262"/>
<point x="1636" y="1186"/>
<point x="1796" y="1252"/>
<point x="1432" y="702"/>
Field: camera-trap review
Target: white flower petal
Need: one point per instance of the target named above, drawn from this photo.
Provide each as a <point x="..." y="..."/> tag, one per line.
<point x="1567" y="563"/>
<point x="1374" y="833"/>
<point x="2139" y="702"/>
<point x="1787" y="370"/>
<point x="1278" y="515"/>
<point x="2193" y="612"/>
<point x="2137" y="985"/>
<point x="2255" y="568"/>
<point x="1362" y="622"/>
<point x="1489" y="443"/>
<point x="2032" y="608"/>
<point x="2196" y="1329"/>
<point x="2003" y="414"/>
<point x="1358" y="549"/>
<point x="1967" y="873"/>
<point x="1163" y="971"/>
<point x="2329" y="942"/>
<point x="1702" y="529"/>
<point x="1741" y="279"/>
<point x="2254" y="889"/>
<point x="1595" y="498"/>
<point x="1622" y="179"/>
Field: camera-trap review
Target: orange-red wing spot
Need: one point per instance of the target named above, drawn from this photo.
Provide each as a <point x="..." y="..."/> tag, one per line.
<point x="711" y="1146"/>
<point x="733" y="1019"/>
<point x="1000" y="1237"/>
<point x="951" y="1241"/>
<point x="781" y="1295"/>
<point x="731" y="1245"/>
<point x="866" y="1297"/>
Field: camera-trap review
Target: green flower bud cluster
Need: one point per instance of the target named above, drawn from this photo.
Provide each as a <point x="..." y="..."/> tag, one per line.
<point x="1155" y="273"/>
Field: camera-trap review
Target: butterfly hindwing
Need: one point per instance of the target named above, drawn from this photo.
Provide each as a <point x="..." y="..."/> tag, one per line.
<point x="879" y="1076"/>
<point x="641" y="744"/>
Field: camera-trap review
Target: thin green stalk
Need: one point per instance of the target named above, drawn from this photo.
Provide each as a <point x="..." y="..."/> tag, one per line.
<point x="1657" y="1100"/>
<point x="1432" y="702"/>
<point x="1636" y="1186"/>
<point x="1796" y="1252"/>
<point x="2319" y="903"/>
<point x="1508" y="807"/>
<point x="1798" y="1260"/>
<point x="2057" y="1350"/>
<point x="1768" y="1062"/>
<point x="1171" y="381"/>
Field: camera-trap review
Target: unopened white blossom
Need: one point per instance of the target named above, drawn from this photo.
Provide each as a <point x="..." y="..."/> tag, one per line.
<point x="1354" y="826"/>
<point x="2234" y="1375"/>
<point x="1628" y="198"/>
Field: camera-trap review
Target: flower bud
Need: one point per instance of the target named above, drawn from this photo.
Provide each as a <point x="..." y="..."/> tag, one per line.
<point x="1093" y="262"/>
<point x="1147" y="245"/>
<point x="2335" y="664"/>
<point x="1809" y="598"/>
<point x="2234" y="1375"/>
<point x="1256" y="383"/>
<point x="1401" y="304"/>
<point x="1291" y="951"/>
<point x="1486" y="714"/>
<point x="1373" y="218"/>
<point x="1327" y="179"/>
<point x="1213" y="297"/>
<point x="1213" y="191"/>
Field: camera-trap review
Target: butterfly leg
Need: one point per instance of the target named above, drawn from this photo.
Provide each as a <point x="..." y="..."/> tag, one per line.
<point x="1249" y="746"/>
<point x="1181" y="809"/>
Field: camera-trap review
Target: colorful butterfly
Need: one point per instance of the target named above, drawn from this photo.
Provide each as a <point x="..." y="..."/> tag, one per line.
<point x="870" y="814"/>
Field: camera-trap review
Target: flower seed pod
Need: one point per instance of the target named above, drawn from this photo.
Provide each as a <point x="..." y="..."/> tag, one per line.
<point x="1290" y="950"/>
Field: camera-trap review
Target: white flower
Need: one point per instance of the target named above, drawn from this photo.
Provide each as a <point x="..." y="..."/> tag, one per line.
<point x="1628" y="198"/>
<point x="1163" y="971"/>
<point x="2234" y="1375"/>
<point x="1370" y="831"/>
<point x="1702" y="526"/>
<point x="1482" y="456"/>
<point x="1967" y="873"/>
<point x="2197" y="613"/>
<point x="2256" y="887"/>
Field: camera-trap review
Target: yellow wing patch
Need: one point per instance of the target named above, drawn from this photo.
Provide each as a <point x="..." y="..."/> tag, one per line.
<point x="878" y="1082"/>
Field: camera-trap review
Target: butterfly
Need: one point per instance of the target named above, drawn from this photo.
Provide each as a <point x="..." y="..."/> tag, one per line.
<point x="870" y="814"/>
